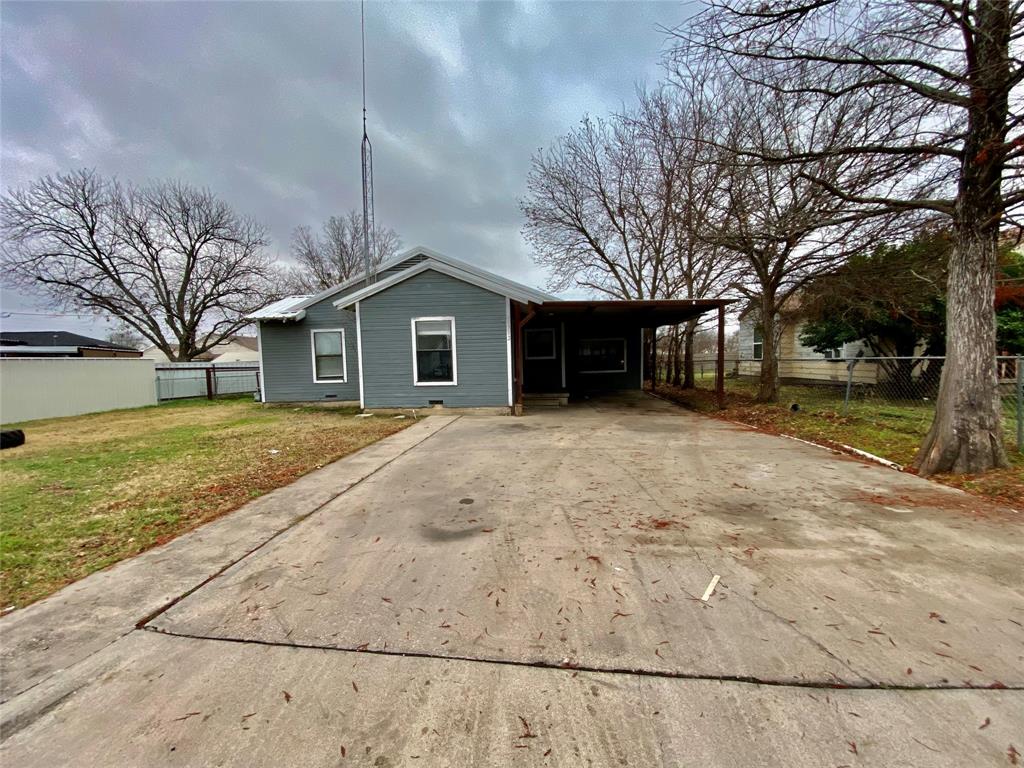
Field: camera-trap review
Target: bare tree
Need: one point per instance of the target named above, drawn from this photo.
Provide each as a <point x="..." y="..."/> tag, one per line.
<point x="944" y="74"/>
<point x="336" y="254"/>
<point x="172" y="262"/>
<point x="123" y="335"/>
<point x="679" y="124"/>
<point x="596" y="214"/>
<point x="786" y="227"/>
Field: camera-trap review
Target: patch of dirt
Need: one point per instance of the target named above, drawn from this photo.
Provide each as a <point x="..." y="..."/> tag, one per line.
<point x="970" y="505"/>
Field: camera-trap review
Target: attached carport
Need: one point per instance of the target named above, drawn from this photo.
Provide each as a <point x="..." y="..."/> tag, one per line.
<point x="564" y="348"/>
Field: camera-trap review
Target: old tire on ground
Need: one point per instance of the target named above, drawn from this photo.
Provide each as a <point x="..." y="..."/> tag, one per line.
<point x="11" y="438"/>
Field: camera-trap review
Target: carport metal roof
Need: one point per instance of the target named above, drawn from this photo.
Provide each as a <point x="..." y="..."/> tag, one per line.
<point x="650" y="312"/>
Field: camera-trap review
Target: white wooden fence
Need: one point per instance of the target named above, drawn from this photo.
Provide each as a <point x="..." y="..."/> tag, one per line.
<point x="45" y="387"/>
<point x="175" y="381"/>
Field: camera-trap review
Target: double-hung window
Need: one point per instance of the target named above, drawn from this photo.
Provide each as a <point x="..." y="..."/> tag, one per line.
<point x="433" y="345"/>
<point x="758" y="344"/>
<point x="329" y="364"/>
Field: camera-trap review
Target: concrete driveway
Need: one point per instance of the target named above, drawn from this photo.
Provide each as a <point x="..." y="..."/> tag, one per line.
<point x="527" y="591"/>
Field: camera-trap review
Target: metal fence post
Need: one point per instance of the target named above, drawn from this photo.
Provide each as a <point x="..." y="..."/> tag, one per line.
<point x="849" y="384"/>
<point x="1019" y="365"/>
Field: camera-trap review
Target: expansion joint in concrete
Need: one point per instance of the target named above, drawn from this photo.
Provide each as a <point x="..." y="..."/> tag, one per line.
<point x="830" y="685"/>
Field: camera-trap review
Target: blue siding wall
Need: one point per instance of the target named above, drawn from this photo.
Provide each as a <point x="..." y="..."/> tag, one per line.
<point x="287" y="356"/>
<point x="480" y="343"/>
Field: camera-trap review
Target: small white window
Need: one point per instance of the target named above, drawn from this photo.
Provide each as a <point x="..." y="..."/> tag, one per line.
<point x="834" y="354"/>
<point x="329" y="363"/>
<point x="602" y="355"/>
<point x="434" y="361"/>
<point x="758" y="344"/>
<point x="540" y="344"/>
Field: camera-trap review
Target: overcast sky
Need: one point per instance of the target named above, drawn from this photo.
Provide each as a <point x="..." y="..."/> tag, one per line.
<point x="260" y="102"/>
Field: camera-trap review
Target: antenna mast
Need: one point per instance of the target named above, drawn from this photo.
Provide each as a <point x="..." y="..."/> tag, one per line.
<point x="366" y="152"/>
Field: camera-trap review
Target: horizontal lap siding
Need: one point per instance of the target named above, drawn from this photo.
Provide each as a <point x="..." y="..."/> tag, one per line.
<point x="288" y="361"/>
<point x="480" y="342"/>
<point x="814" y="370"/>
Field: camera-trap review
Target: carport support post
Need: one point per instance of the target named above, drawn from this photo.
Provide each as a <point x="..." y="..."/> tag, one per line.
<point x="720" y="362"/>
<point x="209" y="383"/>
<point x="517" y="360"/>
<point x="654" y="358"/>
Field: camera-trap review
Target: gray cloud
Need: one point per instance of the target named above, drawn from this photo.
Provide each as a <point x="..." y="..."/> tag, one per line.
<point x="260" y="102"/>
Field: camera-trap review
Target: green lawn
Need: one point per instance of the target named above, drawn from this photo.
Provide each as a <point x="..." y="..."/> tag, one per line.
<point x="890" y="429"/>
<point x="87" y="491"/>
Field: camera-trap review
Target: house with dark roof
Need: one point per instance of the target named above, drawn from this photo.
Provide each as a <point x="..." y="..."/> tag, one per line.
<point x="429" y="330"/>
<point x="59" y="344"/>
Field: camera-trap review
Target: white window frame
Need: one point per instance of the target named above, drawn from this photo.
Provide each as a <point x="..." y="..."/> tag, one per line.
<point x="455" y="358"/>
<point x="756" y="345"/>
<point x="526" y="344"/>
<point x="625" y="354"/>
<point x="344" y="355"/>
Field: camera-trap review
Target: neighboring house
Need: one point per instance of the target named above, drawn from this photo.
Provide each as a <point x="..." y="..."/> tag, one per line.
<point x="237" y="349"/>
<point x="432" y="330"/>
<point x="234" y="349"/>
<point x="155" y="353"/>
<point x="59" y="344"/>
<point x="797" y="362"/>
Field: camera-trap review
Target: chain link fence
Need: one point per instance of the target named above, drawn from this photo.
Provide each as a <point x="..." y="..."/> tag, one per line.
<point x="900" y="389"/>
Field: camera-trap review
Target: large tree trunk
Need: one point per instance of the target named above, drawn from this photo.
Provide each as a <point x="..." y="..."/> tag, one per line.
<point x="674" y="372"/>
<point x="688" y="333"/>
<point x="966" y="435"/>
<point x="768" y="386"/>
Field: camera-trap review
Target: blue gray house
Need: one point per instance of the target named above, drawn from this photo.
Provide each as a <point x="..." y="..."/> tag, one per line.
<point x="429" y="330"/>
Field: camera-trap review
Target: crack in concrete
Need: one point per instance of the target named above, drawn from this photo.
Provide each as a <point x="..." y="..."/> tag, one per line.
<point x="141" y="623"/>
<point x="606" y="670"/>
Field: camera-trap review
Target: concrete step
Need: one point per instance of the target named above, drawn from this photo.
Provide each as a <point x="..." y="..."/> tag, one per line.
<point x="546" y="399"/>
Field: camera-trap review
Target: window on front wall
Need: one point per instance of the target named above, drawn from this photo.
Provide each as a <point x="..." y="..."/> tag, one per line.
<point x="540" y="344"/>
<point x="433" y="341"/>
<point x="758" y="344"/>
<point x="329" y="355"/>
<point x="602" y="355"/>
<point x="833" y="354"/>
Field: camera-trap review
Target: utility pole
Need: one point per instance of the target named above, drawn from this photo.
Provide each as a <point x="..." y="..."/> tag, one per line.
<point x="366" y="154"/>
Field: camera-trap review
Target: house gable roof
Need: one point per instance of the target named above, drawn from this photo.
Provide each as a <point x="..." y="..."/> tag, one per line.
<point x="293" y="307"/>
<point x="458" y="270"/>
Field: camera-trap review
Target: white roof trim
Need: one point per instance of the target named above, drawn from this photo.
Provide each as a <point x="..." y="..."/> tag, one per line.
<point x="472" y="276"/>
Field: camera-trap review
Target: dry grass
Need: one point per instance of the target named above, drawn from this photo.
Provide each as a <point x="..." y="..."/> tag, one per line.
<point x="892" y="431"/>
<point x="87" y="491"/>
